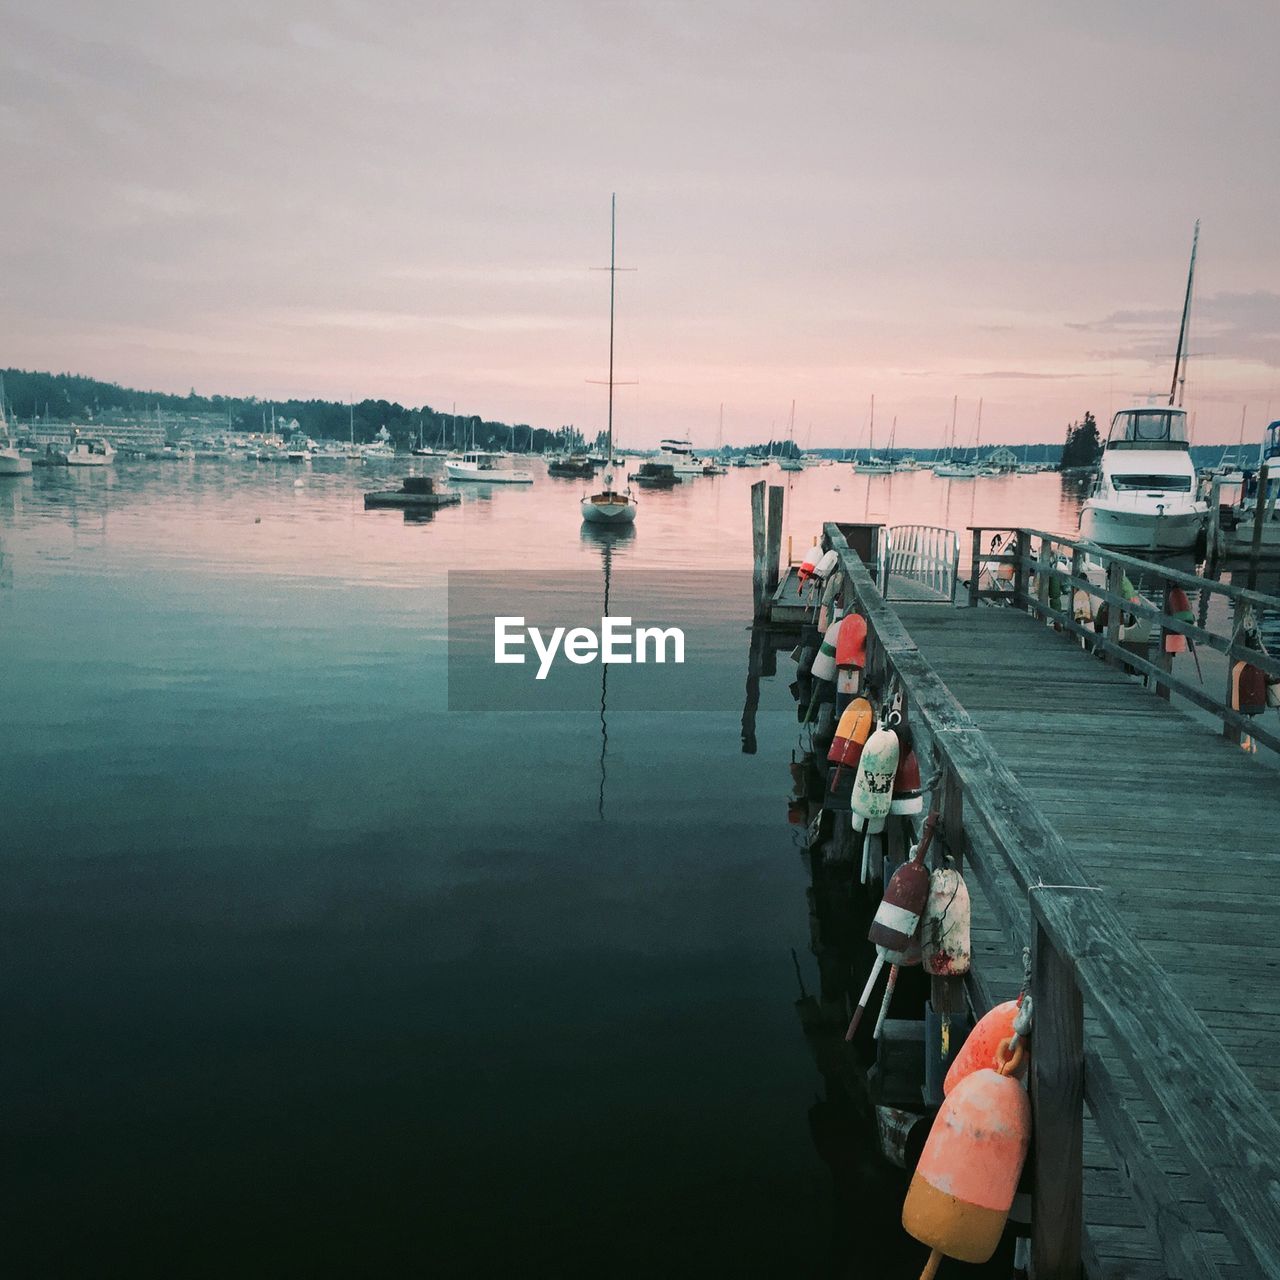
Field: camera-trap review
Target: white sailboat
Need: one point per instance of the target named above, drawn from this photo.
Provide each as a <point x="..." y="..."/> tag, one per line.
<point x="12" y="463"/>
<point x="871" y="465"/>
<point x="609" y="506"/>
<point x="1144" y="495"/>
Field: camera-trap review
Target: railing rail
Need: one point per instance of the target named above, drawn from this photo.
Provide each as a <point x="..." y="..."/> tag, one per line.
<point x="1034" y="568"/>
<point x="1211" y="1113"/>
<point x="926" y="554"/>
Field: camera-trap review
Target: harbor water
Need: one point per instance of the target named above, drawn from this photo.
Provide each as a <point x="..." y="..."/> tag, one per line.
<point x="306" y="973"/>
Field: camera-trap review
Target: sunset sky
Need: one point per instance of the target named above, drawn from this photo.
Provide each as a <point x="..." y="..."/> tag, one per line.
<point x="822" y="201"/>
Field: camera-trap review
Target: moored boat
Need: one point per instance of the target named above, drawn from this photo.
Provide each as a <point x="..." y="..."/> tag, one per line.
<point x="90" y="451"/>
<point x="479" y="466"/>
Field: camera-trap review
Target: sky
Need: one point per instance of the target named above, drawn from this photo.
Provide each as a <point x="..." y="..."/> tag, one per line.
<point x="822" y="201"/>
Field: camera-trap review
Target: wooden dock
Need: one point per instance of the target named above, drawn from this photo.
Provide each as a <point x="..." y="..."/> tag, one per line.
<point x="1136" y="852"/>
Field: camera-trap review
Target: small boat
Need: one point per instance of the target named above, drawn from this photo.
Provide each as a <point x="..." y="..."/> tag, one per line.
<point x="12" y="461"/>
<point x="656" y="475"/>
<point x="679" y="456"/>
<point x="415" y="493"/>
<point x="577" y="466"/>
<point x="609" y="506"/>
<point x="478" y="465"/>
<point x="958" y="470"/>
<point x="90" y="451"/>
<point x="1144" y="495"/>
<point x="874" y="467"/>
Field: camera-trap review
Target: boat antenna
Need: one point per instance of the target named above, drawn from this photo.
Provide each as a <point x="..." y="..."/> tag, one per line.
<point x="1179" y="359"/>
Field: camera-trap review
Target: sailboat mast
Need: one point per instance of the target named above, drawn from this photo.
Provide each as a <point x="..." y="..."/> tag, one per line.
<point x="1179" y="359"/>
<point x="613" y="279"/>
<point x="951" y="448"/>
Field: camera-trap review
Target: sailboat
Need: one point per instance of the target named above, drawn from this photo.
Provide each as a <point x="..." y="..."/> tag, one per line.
<point x="609" y="506"/>
<point x="871" y="465"/>
<point x="12" y="463"/>
<point x="962" y="469"/>
<point x="1144" y="494"/>
<point x="791" y="461"/>
<point x="714" y="466"/>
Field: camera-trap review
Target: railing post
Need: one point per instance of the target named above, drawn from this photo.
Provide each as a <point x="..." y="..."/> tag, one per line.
<point x="1022" y="569"/>
<point x="975" y="568"/>
<point x="1043" y="581"/>
<point x="1165" y="661"/>
<point x="1057" y="1101"/>
<point x="1229" y="731"/>
<point x="1115" y="612"/>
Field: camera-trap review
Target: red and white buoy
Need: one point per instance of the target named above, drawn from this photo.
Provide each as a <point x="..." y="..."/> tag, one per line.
<point x="809" y="562"/>
<point x="898" y="916"/>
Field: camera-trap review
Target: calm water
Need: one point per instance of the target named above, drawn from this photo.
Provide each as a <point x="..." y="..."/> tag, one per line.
<point x="305" y="975"/>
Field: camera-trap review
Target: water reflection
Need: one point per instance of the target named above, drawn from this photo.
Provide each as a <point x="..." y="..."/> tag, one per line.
<point x="606" y="539"/>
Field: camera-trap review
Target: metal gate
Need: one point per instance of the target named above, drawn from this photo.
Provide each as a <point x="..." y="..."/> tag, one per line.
<point x="922" y="563"/>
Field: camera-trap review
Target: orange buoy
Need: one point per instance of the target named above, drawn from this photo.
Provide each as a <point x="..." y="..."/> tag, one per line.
<point x="967" y="1176"/>
<point x="979" y="1050"/>
<point x="852" y="648"/>
<point x="851" y="736"/>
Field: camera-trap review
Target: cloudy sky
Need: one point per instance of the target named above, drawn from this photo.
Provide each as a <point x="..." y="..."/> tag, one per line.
<point x="822" y="200"/>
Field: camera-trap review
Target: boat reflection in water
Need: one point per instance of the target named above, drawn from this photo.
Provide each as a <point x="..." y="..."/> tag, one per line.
<point x="606" y="537"/>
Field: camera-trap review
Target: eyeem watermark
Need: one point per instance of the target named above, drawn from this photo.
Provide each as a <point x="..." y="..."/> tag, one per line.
<point x="616" y="642"/>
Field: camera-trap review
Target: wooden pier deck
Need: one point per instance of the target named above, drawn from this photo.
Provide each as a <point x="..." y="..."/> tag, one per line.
<point x="1175" y="824"/>
<point x="1137" y="853"/>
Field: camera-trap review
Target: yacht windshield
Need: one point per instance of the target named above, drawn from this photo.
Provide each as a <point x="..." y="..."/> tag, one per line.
<point x="1149" y="428"/>
<point x="1169" y="484"/>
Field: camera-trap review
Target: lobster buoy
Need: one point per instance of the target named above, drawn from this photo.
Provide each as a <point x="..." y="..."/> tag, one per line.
<point x="809" y="562"/>
<point x="824" y="570"/>
<point x="824" y="665"/>
<point x="979" y="1050"/>
<point x="1248" y="689"/>
<point x="967" y="1176"/>
<point x="852" y="733"/>
<point x="907" y="797"/>
<point x="873" y="788"/>
<point x="851" y="651"/>
<point x="1178" y="607"/>
<point x="897" y="918"/>
<point x="945" y="948"/>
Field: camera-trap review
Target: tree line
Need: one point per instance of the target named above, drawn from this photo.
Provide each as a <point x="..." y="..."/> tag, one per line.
<point x="69" y="397"/>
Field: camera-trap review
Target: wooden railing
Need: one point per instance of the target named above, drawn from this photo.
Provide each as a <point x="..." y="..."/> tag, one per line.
<point x="1039" y="559"/>
<point x="1082" y="954"/>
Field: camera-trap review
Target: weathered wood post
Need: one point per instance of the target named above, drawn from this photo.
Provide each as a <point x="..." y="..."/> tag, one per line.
<point x="1229" y="731"/>
<point x="1043" y="562"/>
<point x="975" y="568"/>
<point x="1164" y="659"/>
<point x="777" y="496"/>
<point x="1057" y="1101"/>
<point x="760" y="598"/>
<point x="1115" y="611"/>
<point x="1022" y="567"/>
<point x="1259" y="519"/>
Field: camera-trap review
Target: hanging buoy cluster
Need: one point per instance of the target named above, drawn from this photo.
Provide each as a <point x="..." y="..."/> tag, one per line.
<point x="858" y="796"/>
